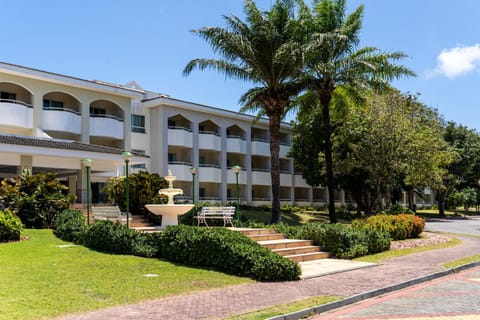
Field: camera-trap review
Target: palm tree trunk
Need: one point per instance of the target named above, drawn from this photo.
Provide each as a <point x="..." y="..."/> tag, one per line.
<point x="274" y="127"/>
<point x="325" y="98"/>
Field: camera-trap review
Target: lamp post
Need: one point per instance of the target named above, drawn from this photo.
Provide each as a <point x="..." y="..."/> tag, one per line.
<point x="193" y="171"/>
<point x="88" y="163"/>
<point x="126" y="157"/>
<point x="236" y="170"/>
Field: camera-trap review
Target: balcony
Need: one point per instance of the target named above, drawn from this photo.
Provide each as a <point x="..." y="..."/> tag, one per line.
<point x="260" y="147"/>
<point x="210" y="173"/>
<point x="284" y="148"/>
<point x="286" y="179"/>
<point x="181" y="170"/>
<point x="209" y="141"/>
<point x="180" y="136"/>
<point x="232" y="179"/>
<point x="62" y="119"/>
<point x="16" y="113"/>
<point x="236" y="144"/>
<point x="261" y="177"/>
<point x="300" y="182"/>
<point x="106" y="126"/>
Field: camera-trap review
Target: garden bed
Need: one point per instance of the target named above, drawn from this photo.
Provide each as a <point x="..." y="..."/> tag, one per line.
<point x="427" y="239"/>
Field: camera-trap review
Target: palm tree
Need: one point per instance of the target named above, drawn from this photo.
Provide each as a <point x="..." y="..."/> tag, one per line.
<point x="260" y="50"/>
<point x="333" y="60"/>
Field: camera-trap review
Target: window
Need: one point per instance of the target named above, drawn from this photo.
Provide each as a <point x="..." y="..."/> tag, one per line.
<point x="8" y="96"/>
<point x="52" y="104"/>
<point x="139" y="166"/>
<point x="171" y="123"/>
<point x="172" y="157"/>
<point x="138" y="123"/>
<point x="97" y="111"/>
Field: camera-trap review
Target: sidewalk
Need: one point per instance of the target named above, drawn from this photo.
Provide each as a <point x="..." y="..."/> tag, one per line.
<point x="225" y="302"/>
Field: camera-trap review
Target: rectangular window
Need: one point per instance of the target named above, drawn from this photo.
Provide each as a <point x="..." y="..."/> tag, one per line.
<point x="8" y="96"/>
<point x="172" y="157"/>
<point x="139" y="166"/>
<point x="52" y="104"/>
<point x="138" y="123"/>
<point x="97" y="111"/>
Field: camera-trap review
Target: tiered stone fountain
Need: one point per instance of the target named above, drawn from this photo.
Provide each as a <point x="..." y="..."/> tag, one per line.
<point x="169" y="211"/>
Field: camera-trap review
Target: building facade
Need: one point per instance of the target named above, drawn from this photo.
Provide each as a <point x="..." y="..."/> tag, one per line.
<point x="51" y="122"/>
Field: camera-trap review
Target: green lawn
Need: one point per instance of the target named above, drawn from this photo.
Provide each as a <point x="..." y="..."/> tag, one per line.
<point x="40" y="279"/>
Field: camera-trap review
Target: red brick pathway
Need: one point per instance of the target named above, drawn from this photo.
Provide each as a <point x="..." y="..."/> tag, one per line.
<point x="221" y="303"/>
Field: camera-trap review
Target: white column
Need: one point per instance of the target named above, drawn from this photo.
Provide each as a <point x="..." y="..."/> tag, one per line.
<point x="26" y="163"/>
<point x="85" y="110"/>
<point x="248" y="164"/>
<point x="223" y="164"/>
<point x="37" y="102"/>
<point x="196" y="158"/>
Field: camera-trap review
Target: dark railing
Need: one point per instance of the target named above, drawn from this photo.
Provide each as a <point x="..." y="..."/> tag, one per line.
<point x="17" y="102"/>
<point x="70" y="110"/>
<point x="235" y="137"/>
<point x="184" y="163"/>
<point x="209" y="132"/>
<point x="260" y="140"/>
<point x="179" y="128"/>
<point x="261" y="169"/>
<point x="209" y="165"/>
<point x="108" y="116"/>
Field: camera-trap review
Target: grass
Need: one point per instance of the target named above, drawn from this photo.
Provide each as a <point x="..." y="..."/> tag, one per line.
<point x="284" y="308"/>
<point x="460" y="262"/>
<point x="378" y="257"/>
<point x="40" y="279"/>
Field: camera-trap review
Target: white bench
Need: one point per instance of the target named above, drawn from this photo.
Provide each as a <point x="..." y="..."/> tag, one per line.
<point x="108" y="213"/>
<point x="224" y="213"/>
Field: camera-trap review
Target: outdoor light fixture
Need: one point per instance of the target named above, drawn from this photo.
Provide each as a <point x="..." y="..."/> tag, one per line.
<point x="193" y="171"/>
<point x="236" y="170"/>
<point x="126" y="157"/>
<point x="88" y="163"/>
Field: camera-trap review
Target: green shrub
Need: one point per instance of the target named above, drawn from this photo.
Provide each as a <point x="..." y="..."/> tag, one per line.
<point x="10" y="226"/>
<point x="399" y="227"/>
<point x="227" y="251"/>
<point x="106" y="236"/>
<point x="69" y="225"/>
<point x="37" y="199"/>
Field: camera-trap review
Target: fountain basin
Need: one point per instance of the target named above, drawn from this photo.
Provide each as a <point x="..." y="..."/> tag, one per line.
<point x="169" y="212"/>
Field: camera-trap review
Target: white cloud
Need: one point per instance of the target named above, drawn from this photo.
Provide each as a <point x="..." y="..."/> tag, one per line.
<point x="458" y="61"/>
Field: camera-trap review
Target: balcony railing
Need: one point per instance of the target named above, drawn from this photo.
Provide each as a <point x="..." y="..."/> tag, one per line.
<point x="70" y="110"/>
<point x="209" y="132"/>
<point x="209" y="165"/>
<point x="179" y="128"/>
<point x="182" y="163"/>
<point x="17" y="102"/>
<point x="230" y="136"/>
<point x="108" y="116"/>
<point x="260" y="139"/>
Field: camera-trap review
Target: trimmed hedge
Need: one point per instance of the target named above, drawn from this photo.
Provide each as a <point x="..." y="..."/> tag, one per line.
<point x="10" y="226"/>
<point x="400" y="227"/>
<point x="109" y="237"/>
<point x="227" y="251"/>
<point x="69" y="225"/>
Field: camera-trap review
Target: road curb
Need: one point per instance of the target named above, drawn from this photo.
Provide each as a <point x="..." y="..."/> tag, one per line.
<point x="374" y="293"/>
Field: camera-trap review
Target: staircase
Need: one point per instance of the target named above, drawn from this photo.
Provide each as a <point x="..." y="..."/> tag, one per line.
<point x="293" y="249"/>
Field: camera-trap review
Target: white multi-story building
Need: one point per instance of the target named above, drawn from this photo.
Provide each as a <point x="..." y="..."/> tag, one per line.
<point x="50" y="122"/>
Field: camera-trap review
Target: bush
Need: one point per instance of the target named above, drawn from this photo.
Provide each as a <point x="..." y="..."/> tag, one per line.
<point x="399" y="227"/>
<point x="10" y="226"/>
<point x="340" y="240"/>
<point x="70" y="225"/>
<point x="227" y="251"/>
<point x="37" y="199"/>
<point x="106" y="236"/>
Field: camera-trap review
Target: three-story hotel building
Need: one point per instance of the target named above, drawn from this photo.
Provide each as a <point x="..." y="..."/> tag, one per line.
<point x="50" y="122"/>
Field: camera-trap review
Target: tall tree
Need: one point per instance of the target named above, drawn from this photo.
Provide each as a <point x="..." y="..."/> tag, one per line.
<point x="332" y="58"/>
<point x="260" y="50"/>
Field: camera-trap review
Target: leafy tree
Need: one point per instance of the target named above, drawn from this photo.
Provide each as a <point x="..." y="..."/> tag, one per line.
<point x="333" y="60"/>
<point x="463" y="171"/>
<point x="260" y="50"/>
<point x="36" y="199"/>
<point x="143" y="189"/>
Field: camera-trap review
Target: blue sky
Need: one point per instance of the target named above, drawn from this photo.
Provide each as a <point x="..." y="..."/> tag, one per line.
<point x="149" y="41"/>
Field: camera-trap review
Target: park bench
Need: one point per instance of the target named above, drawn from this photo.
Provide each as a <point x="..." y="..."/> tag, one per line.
<point x="224" y="213"/>
<point x="108" y="213"/>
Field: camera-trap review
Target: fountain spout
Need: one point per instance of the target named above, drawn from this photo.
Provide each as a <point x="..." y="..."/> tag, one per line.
<point x="170" y="192"/>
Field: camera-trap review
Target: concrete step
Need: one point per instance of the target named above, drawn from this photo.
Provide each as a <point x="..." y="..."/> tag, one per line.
<point x="297" y="250"/>
<point x="308" y="256"/>
<point x="147" y="229"/>
<point x="265" y="237"/>
<point x="285" y="243"/>
<point x="253" y="232"/>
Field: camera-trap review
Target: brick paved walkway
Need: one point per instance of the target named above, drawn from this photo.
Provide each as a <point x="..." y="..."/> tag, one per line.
<point x="221" y="303"/>
<point x="453" y="297"/>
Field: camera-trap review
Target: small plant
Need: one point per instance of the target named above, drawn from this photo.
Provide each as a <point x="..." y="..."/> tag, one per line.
<point x="10" y="226"/>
